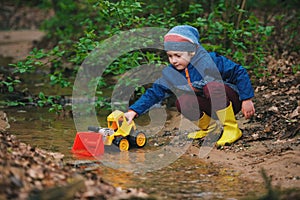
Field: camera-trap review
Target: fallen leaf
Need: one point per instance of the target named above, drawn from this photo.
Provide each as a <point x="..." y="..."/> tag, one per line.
<point x="295" y="113"/>
<point x="274" y="109"/>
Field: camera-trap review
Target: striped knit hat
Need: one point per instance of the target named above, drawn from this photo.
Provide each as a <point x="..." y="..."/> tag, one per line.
<point x="182" y="38"/>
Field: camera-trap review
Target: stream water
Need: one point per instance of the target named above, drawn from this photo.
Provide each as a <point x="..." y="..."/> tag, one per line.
<point x="187" y="178"/>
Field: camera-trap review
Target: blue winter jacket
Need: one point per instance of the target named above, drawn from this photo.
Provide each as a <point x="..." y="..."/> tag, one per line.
<point x="174" y="81"/>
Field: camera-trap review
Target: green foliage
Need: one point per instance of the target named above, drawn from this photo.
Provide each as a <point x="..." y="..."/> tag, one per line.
<point x="285" y="17"/>
<point x="243" y="42"/>
<point x="9" y="83"/>
<point x="123" y="63"/>
<point x="66" y="24"/>
<point x="31" y="61"/>
<point x="295" y="68"/>
<point x="50" y="101"/>
<point x="122" y="14"/>
<point x="83" y="46"/>
<point x="13" y="103"/>
<point x="78" y="27"/>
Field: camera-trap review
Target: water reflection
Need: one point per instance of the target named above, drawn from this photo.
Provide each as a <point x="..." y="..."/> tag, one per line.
<point x="39" y="128"/>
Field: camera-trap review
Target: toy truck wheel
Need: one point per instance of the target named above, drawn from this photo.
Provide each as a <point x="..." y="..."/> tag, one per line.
<point x="122" y="143"/>
<point x="138" y="139"/>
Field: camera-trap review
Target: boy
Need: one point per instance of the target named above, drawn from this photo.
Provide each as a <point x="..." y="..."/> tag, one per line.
<point x="206" y="85"/>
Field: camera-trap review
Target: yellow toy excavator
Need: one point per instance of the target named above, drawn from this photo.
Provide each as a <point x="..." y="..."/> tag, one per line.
<point x="118" y="132"/>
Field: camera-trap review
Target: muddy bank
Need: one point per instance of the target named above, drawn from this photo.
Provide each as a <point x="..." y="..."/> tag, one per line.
<point x="280" y="158"/>
<point x="17" y="44"/>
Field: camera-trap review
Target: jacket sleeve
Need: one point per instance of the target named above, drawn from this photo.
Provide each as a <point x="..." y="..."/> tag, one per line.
<point x="235" y="74"/>
<point x="152" y="96"/>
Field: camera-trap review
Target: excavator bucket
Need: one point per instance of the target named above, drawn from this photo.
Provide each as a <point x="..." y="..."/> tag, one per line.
<point x="88" y="144"/>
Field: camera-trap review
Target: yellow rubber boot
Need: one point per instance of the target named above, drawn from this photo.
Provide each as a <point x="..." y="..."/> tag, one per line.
<point x="206" y="124"/>
<point x="231" y="131"/>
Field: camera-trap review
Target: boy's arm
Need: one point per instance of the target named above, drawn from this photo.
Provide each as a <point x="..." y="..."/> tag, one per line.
<point x="237" y="75"/>
<point x="152" y="96"/>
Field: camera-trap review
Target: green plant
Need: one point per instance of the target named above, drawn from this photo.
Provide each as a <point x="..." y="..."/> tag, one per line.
<point x="295" y="68"/>
<point x="78" y="27"/>
<point x="243" y="41"/>
<point x="9" y="83"/>
<point x="50" y="101"/>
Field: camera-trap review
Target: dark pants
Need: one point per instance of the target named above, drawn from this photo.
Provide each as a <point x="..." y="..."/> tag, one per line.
<point x="216" y="96"/>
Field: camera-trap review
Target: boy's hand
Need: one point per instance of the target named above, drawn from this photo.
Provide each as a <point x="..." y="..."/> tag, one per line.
<point x="248" y="108"/>
<point x="130" y="115"/>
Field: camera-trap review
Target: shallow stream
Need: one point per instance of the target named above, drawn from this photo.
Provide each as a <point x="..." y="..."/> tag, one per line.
<point x="187" y="178"/>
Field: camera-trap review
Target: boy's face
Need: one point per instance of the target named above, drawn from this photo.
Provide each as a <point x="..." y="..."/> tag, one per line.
<point x="180" y="59"/>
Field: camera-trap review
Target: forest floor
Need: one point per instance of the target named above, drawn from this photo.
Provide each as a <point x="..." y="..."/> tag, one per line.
<point x="270" y="139"/>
